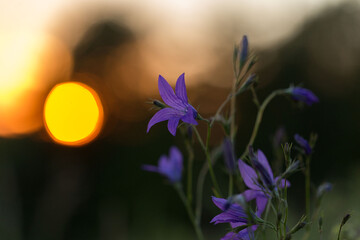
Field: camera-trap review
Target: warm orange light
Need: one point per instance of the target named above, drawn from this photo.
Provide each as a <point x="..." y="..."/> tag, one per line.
<point x="29" y="63"/>
<point x="73" y="113"/>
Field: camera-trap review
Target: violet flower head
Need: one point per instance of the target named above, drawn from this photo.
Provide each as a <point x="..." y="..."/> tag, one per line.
<point x="178" y="105"/>
<point x="170" y="167"/>
<point x="323" y="188"/>
<point x="236" y="216"/>
<point x="303" y="95"/>
<point x="259" y="190"/>
<point x="229" y="155"/>
<point x="304" y="144"/>
<point x="244" y="49"/>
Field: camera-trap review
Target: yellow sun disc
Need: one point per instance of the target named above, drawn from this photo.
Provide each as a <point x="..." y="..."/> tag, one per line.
<point x="73" y="113"/>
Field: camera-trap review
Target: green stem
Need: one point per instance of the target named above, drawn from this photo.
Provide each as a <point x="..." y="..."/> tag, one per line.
<point x="259" y="119"/>
<point x="307" y="191"/>
<point x="233" y="112"/>
<point x="255" y="97"/>
<point x="231" y="183"/>
<point x="220" y="109"/>
<point x="339" y="233"/>
<point x="205" y="147"/>
<point x="199" y="191"/>
<point x="189" y="211"/>
<point x="286" y="207"/>
<point x="189" y="170"/>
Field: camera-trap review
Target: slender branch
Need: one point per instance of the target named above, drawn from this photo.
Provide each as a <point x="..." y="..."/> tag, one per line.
<point x="200" y="185"/>
<point x="189" y="170"/>
<point x="255" y="97"/>
<point x="231" y="183"/>
<point x="189" y="211"/>
<point x="233" y="112"/>
<point x="259" y="119"/>
<point x="205" y="147"/>
<point x="221" y="108"/>
<point x="307" y="190"/>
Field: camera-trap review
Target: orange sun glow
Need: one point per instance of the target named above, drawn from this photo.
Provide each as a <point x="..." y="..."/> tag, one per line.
<point x="73" y="114"/>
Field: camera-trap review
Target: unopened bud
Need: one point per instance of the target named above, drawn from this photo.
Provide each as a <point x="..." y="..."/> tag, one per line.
<point x="345" y="219"/>
<point x="159" y="104"/>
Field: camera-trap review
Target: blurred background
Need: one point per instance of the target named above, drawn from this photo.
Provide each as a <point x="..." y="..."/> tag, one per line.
<point x="91" y="186"/>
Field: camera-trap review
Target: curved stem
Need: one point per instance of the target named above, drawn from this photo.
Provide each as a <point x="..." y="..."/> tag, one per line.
<point x="220" y="109"/>
<point x="189" y="211"/>
<point x="307" y="190"/>
<point x="199" y="192"/>
<point x="205" y="147"/>
<point x="259" y="118"/>
<point x="189" y="170"/>
<point x="232" y="113"/>
<point x="231" y="183"/>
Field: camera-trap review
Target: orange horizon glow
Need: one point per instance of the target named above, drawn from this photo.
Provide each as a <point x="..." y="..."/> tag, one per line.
<point x="29" y="62"/>
<point x="73" y="114"/>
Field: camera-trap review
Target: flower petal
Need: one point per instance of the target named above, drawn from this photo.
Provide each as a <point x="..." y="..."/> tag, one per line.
<point x="281" y="184"/>
<point x="304" y="95"/>
<point x="180" y="89"/>
<point x="247" y="233"/>
<point x="304" y="144"/>
<point x="169" y="170"/>
<point x="168" y="95"/>
<point x="172" y="125"/>
<point x="238" y="224"/>
<point x="233" y="214"/>
<point x="220" y="202"/>
<point x="261" y="202"/>
<point x="176" y="158"/>
<point x="189" y="117"/>
<point x="251" y="194"/>
<point x="230" y="236"/>
<point x="262" y="159"/>
<point x="228" y="217"/>
<point x="249" y="175"/>
<point x="163" y="115"/>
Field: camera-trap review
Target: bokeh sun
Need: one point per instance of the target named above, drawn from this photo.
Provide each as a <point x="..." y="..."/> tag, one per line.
<point x="73" y="114"/>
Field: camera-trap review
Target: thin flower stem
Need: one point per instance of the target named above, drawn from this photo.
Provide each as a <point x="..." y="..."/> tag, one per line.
<point x="200" y="184"/>
<point x="267" y="212"/>
<point x="189" y="170"/>
<point x="199" y="191"/>
<point x="259" y="119"/>
<point x="286" y="207"/>
<point x="199" y="139"/>
<point x="231" y="183"/>
<point x="189" y="211"/>
<point x="233" y="112"/>
<point x="205" y="147"/>
<point x="307" y="191"/>
<point x="255" y="97"/>
<point x="212" y="174"/>
<point x="220" y="108"/>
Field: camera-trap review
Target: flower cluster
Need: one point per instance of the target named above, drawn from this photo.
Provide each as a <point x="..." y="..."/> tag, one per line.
<point x="262" y="187"/>
<point x="257" y="189"/>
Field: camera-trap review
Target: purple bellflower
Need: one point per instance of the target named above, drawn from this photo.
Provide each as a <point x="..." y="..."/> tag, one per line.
<point x="171" y="167"/>
<point x="178" y="105"/>
<point x="236" y="216"/>
<point x="259" y="190"/>
<point x="303" y="95"/>
<point x="303" y="144"/>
